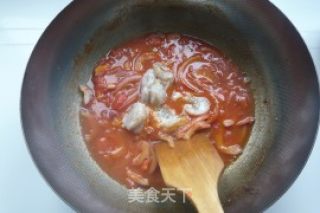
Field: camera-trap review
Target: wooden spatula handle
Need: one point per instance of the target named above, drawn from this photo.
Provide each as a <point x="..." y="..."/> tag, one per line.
<point x="207" y="202"/>
<point x="194" y="165"/>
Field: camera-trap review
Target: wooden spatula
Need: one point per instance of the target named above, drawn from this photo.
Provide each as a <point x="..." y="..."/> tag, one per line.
<point x="195" y="165"/>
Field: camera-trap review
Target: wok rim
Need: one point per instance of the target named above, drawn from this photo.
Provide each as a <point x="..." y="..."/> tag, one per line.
<point x="69" y="10"/>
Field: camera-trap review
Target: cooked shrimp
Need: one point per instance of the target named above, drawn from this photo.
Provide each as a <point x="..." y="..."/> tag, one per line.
<point x="167" y="118"/>
<point x="151" y="90"/>
<point x="198" y="106"/>
<point x="155" y="94"/>
<point x="176" y="95"/>
<point x="135" y="117"/>
<point x="163" y="74"/>
<point x="154" y="84"/>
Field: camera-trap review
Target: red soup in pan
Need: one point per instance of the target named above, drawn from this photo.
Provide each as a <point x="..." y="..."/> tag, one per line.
<point x="162" y="87"/>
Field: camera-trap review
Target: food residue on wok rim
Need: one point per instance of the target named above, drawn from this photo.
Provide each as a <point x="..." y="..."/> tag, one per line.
<point x="162" y="87"/>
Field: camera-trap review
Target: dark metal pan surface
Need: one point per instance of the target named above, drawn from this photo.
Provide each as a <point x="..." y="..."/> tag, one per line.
<point x="255" y="34"/>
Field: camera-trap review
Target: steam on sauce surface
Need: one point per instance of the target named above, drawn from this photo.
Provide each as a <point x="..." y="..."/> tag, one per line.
<point x="160" y="88"/>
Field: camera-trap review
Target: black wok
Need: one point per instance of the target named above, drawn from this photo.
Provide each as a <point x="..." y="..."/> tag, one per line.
<point x="255" y="34"/>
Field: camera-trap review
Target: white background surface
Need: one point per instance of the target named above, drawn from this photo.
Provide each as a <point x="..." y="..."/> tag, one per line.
<point x="22" y="189"/>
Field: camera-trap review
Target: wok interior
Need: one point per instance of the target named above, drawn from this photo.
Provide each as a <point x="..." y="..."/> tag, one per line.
<point x="229" y="27"/>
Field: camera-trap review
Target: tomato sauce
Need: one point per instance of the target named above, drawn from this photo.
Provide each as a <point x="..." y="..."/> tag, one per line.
<point x="198" y="68"/>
